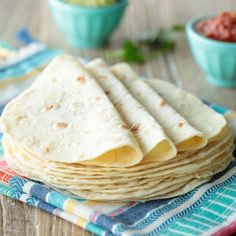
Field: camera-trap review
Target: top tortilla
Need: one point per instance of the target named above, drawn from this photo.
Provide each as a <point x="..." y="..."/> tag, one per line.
<point x="65" y="116"/>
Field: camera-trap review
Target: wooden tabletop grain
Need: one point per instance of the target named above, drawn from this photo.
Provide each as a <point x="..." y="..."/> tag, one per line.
<point x="21" y="220"/>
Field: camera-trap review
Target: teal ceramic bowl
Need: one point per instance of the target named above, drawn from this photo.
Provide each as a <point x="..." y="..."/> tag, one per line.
<point x="87" y="27"/>
<point x="217" y="59"/>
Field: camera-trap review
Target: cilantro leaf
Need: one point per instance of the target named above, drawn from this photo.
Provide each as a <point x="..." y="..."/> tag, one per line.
<point x="161" y="40"/>
<point x="129" y="52"/>
<point x="178" y="28"/>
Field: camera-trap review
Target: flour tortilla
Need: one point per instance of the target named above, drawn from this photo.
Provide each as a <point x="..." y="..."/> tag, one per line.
<point x="160" y="189"/>
<point x="185" y="136"/>
<point x="172" y="191"/>
<point x="180" y="190"/>
<point x="215" y="157"/>
<point x="97" y="180"/>
<point x="85" y="172"/>
<point x="156" y="146"/>
<point x="202" y="174"/>
<point x="65" y="116"/>
<point x="150" y="182"/>
<point x="212" y="148"/>
<point x="211" y="123"/>
<point x="94" y="170"/>
<point x="94" y="195"/>
<point x="186" y="187"/>
<point x="82" y="192"/>
<point x="198" y="114"/>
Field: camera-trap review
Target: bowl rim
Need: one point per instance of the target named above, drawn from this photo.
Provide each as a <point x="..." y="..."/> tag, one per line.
<point x="73" y="7"/>
<point x="191" y="30"/>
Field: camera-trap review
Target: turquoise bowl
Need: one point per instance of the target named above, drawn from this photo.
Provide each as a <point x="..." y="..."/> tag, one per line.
<point x="217" y="59"/>
<point x="87" y="27"/>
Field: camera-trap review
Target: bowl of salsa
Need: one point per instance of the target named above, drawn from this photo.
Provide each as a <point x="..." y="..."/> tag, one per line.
<point x="212" y="40"/>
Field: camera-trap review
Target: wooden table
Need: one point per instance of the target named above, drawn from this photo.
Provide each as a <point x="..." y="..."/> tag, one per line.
<point x="21" y="220"/>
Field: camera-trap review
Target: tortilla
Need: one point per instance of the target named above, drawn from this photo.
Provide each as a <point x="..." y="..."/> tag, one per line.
<point x="185" y="136"/>
<point x="63" y="169"/>
<point x="156" y="146"/>
<point x="65" y="116"/>
<point x="201" y="116"/>
<point x="194" y="168"/>
<point x="213" y="147"/>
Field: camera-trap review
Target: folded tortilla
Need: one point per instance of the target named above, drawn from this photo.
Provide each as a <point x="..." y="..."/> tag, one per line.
<point x="185" y="136"/>
<point x="201" y="116"/>
<point x="156" y="146"/>
<point x="65" y="116"/>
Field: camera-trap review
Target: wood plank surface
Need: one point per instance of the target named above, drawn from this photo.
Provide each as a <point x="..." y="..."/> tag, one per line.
<point x="179" y="67"/>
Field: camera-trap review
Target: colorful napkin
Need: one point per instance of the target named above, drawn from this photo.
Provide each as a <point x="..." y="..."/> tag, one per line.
<point x="209" y="209"/>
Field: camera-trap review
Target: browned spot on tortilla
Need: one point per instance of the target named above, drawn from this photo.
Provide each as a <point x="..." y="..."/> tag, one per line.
<point x="97" y="98"/>
<point x="181" y="124"/>
<point x="20" y="117"/>
<point x="107" y="92"/>
<point x="52" y="106"/>
<point x="80" y="79"/>
<point x="162" y="103"/>
<point x="60" y="125"/>
<point x="123" y="126"/>
<point x="47" y="149"/>
<point x="135" y="128"/>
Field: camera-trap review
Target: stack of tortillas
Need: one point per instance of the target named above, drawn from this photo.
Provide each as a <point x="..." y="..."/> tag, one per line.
<point x="103" y="134"/>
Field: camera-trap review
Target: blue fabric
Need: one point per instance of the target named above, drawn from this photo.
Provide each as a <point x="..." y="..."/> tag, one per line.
<point x="40" y="191"/>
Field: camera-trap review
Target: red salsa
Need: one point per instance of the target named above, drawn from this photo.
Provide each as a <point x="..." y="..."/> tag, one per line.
<point x="221" y="28"/>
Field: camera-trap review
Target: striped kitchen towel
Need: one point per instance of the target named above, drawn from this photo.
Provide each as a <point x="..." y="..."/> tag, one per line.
<point x="18" y="68"/>
<point x="209" y="209"/>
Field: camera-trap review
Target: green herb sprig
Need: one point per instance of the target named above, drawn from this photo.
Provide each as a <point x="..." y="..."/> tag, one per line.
<point x="129" y="52"/>
<point x="147" y="44"/>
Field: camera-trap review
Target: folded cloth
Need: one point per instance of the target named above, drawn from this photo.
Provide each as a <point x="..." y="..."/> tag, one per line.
<point x="18" y="68"/>
<point x="209" y="209"/>
<point x="16" y="193"/>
